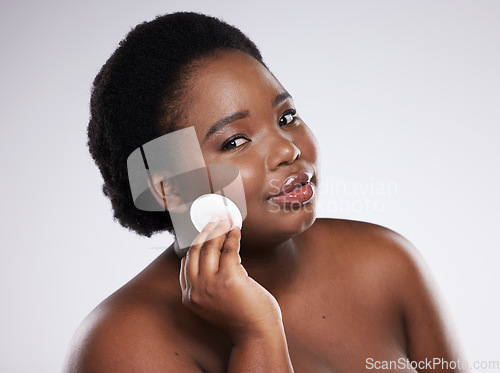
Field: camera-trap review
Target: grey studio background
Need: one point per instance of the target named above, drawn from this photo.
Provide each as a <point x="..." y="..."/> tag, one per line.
<point x="403" y="97"/>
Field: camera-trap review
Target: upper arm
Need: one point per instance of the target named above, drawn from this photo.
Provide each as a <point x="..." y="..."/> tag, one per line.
<point x="124" y="342"/>
<point x="429" y="329"/>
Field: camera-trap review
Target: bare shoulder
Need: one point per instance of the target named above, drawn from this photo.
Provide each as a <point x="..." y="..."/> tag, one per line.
<point x="133" y="330"/>
<point x="376" y="256"/>
<point x="382" y="268"/>
<point x="365" y="244"/>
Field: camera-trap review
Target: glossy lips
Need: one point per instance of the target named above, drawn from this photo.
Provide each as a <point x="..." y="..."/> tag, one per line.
<point x="296" y="189"/>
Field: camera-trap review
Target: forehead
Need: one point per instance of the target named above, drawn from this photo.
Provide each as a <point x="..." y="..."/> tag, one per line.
<point x="229" y="82"/>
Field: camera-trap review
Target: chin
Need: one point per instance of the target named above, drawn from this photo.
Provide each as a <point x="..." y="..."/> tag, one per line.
<point x="296" y="222"/>
<point x="280" y="224"/>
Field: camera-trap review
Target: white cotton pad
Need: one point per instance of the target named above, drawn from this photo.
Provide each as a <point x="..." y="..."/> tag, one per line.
<point x="208" y="205"/>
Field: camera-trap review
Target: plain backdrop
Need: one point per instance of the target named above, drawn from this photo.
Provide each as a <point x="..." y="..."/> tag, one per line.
<point x="403" y="97"/>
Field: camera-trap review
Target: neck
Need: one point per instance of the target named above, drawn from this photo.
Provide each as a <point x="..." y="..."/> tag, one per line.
<point x="273" y="265"/>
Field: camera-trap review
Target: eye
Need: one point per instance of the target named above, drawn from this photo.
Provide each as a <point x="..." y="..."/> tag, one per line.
<point x="287" y="117"/>
<point x="235" y="142"/>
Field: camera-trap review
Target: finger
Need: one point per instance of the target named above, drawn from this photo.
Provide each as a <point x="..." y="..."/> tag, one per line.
<point x="192" y="266"/>
<point x="230" y="257"/>
<point x="201" y="238"/>
<point x="220" y="230"/>
<point x="182" y="275"/>
<point x="210" y="250"/>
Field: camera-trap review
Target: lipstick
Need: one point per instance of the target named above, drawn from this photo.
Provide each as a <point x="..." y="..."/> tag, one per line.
<point x="297" y="189"/>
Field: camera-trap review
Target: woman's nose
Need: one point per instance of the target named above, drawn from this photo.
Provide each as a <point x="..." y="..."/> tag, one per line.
<point x="281" y="151"/>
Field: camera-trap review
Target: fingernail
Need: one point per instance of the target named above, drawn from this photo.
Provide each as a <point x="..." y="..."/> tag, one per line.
<point x="214" y="219"/>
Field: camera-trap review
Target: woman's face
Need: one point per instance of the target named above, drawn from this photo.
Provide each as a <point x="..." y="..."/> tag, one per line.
<point x="259" y="132"/>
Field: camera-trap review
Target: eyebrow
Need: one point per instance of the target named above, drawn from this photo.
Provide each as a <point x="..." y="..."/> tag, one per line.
<point x="281" y="98"/>
<point x="221" y="123"/>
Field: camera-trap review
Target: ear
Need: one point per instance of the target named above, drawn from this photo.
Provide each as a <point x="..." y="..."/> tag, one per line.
<point x="166" y="193"/>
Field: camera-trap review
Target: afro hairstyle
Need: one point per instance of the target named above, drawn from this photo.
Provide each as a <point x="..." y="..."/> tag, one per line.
<point x="137" y="95"/>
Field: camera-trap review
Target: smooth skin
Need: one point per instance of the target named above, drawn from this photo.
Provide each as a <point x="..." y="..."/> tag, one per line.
<point x="289" y="292"/>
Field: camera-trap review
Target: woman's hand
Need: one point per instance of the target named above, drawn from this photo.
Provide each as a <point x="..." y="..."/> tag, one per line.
<point x="217" y="288"/>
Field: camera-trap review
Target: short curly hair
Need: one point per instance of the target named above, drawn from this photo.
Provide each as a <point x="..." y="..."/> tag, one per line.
<point x="137" y="96"/>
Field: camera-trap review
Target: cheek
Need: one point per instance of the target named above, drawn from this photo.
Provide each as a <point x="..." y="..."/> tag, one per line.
<point x="255" y="184"/>
<point x="252" y="179"/>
